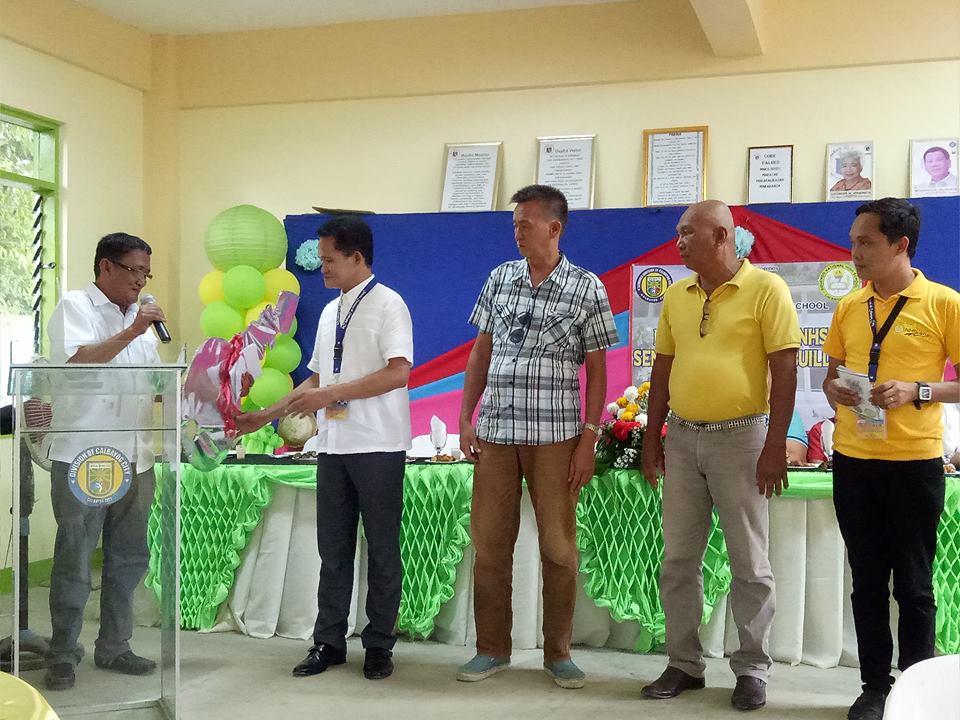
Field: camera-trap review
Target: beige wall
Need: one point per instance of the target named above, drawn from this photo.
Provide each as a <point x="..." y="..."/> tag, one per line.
<point x="81" y="37"/>
<point x="102" y="147"/>
<point x="386" y="154"/>
<point x="548" y="47"/>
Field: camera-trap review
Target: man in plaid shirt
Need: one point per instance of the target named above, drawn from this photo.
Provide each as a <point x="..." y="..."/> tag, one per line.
<point x="539" y="319"/>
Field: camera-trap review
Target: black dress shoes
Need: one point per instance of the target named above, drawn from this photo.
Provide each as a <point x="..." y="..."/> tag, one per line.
<point x="60" y="676"/>
<point x="671" y="683"/>
<point x="749" y="694"/>
<point x="377" y="664"/>
<point x="869" y="706"/>
<point x="319" y="658"/>
<point x="127" y="663"/>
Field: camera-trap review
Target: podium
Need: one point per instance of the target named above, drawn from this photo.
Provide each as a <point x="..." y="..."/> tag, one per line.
<point x="78" y="622"/>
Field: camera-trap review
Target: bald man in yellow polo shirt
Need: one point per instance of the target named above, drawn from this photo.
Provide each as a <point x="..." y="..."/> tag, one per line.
<point x="888" y="484"/>
<point x="720" y="331"/>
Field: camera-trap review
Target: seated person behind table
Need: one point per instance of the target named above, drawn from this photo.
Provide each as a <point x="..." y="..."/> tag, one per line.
<point x="796" y="441"/>
<point x="816" y="453"/>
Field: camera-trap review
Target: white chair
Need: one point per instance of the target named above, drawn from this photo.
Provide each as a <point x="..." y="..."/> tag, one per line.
<point x="929" y="690"/>
<point x="20" y="700"/>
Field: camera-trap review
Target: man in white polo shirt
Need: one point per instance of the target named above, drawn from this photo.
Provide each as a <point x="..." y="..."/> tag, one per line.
<point x="361" y="363"/>
<point x="102" y="324"/>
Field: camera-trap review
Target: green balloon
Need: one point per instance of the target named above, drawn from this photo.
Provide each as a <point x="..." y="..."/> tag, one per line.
<point x="220" y="320"/>
<point x="284" y="355"/>
<point x="293" y="328"/>
<point x="246" y="235"/>
<point x="243" y="286"/>
<point x="270" y="387"/>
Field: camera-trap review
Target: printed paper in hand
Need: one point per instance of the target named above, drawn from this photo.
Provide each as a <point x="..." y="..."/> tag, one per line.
<point x="860" y="384"/>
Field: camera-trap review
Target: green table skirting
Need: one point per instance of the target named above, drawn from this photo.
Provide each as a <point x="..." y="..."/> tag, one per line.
<point x="619" y="534"/>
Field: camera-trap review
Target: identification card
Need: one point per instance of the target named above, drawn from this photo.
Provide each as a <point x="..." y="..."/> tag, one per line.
<point x="872" y="429"/>
<point x="337" y="411"/>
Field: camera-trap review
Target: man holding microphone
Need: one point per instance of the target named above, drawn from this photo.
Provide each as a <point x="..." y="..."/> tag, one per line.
<point x="102" y="324"/>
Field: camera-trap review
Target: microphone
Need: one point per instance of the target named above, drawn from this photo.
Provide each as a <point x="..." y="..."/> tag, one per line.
<point x="158" y="325"/>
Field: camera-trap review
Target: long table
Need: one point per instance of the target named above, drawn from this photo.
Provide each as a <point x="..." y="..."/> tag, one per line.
<point x="249" y="559"/>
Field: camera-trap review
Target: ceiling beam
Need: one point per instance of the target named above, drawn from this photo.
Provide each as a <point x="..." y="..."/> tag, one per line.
<point x="731" y="26"/>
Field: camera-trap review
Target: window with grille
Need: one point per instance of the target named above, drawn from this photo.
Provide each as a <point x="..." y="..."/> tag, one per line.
<point x="29" y="183"/>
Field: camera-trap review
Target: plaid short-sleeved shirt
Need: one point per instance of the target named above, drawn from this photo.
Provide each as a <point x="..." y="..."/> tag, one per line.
<point x="540" y="340"/>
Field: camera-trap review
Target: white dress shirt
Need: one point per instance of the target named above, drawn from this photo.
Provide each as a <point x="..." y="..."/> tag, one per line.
<point x="947" y="182"/>
<point x="379" y="330"/>
<point x="87" y="317"/>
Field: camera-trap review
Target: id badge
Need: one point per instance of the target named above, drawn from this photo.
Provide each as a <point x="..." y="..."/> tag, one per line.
<point x="337" y="411"/>
<point x="872" y="428"/>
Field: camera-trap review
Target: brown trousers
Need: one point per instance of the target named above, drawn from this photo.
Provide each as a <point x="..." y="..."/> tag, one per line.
<point x="495" y="523"/>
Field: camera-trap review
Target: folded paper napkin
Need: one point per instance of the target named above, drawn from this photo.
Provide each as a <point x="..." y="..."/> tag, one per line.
<point x="438" y="433"/>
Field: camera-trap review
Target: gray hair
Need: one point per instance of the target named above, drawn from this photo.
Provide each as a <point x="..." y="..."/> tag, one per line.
<point x="852" y="155"/>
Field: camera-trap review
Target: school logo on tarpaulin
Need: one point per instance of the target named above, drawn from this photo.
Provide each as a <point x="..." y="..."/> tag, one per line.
<point x="100" y="475"/>
<point x="653" y="283"/>
<point x="837" y="280"/>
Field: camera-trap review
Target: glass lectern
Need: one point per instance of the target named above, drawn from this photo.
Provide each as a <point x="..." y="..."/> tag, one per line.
<point x="95" y="484"/>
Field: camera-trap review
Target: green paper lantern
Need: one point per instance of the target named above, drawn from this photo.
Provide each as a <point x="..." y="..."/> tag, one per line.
<point x="243" y="286"/>
<point x="220" y="320"/>
<point x="246" y="235"/>
<point x="284" y="355"/>
<point x="271" y="386"/>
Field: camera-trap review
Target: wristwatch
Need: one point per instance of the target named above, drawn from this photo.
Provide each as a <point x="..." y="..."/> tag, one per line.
<point x="593" y="428"/>
<point x="924" y="395"/>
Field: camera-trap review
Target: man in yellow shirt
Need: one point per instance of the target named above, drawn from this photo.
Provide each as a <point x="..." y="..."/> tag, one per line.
<point x="720" y="331"/>
<point x="888" y="484"/>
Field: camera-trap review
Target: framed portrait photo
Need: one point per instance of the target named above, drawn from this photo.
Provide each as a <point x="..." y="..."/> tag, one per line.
<point x="770" y="176"/>
<point x="933" y="167"/>
<point x="674" y="166"/>
<point x="850" y="167"/>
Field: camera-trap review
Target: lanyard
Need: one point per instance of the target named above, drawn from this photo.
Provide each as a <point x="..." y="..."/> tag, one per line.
<point x="342" y="327"/>
<point x="879" y="336"/>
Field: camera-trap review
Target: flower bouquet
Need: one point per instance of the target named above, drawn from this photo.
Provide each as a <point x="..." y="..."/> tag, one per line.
<point x="621" y="437"/>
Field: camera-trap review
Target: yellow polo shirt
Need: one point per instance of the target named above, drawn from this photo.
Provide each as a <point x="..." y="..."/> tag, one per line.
<point x="925" y="334"/>
<point x="723" y="375"/>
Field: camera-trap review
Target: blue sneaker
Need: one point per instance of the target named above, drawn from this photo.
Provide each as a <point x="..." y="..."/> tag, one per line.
<point x="565" y="674"/>
<point x="482" y="667"/>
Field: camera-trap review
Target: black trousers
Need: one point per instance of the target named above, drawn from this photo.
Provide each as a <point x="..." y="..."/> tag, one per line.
<point x="350" y="487"/>
<point x="889" y="512"/>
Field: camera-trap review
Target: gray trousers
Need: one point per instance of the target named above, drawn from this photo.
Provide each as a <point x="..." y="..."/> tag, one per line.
<point x="125" y="561"/>
<point x="350" y="487"/>
<point x="704" y="469"/>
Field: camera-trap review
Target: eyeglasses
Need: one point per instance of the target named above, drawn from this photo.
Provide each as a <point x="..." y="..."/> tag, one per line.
<point x="136" y="271"/>
<point x="523" y="320"/>
<point x="705" y="318"/>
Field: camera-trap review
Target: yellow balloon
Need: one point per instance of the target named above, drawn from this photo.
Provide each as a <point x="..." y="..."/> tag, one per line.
<point x="254" y="312"/>
<point x="211" y="287"/>
<point x="278" y="280"/>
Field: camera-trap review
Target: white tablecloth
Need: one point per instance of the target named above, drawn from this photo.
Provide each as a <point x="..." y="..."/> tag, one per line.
<point x="276" y="585"/>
